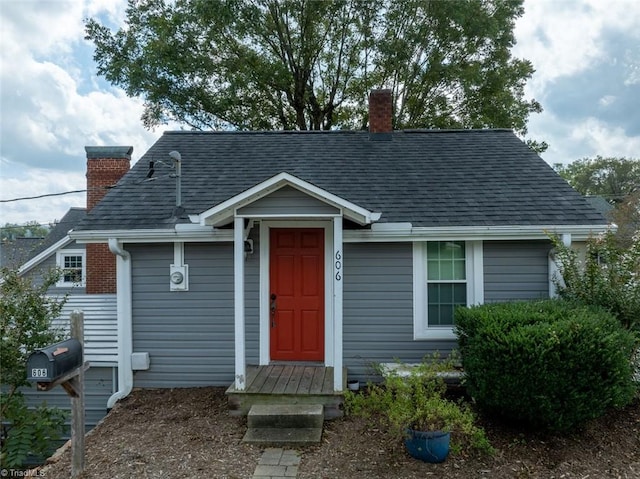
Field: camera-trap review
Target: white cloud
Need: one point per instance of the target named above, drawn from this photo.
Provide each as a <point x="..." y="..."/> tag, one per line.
<point x="565" y="38"/>
<point x="632" y="64"/>
<point x="606" y="140"/>
<point x="586" y="53"/>
<point x="53" y="105"/>
<point x="550" y="41"/>
<point x="586" y="138"/>
<point x="44" y="101"/>
<point x="113" y="10"/>
<point x="607" y="100"/>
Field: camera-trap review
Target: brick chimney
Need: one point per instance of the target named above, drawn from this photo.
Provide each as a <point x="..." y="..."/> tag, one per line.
<point x="105" y="166"/>
<point x="380" y="111"/>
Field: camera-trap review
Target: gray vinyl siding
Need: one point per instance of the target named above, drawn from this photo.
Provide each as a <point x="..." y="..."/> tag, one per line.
<point x="516" y="270"/>
<point x="288" y="201"/>
<point x="98" y="387"/>
<point x="100" y="326"/>
<point x="35" y="273"/>
<point x="378" y="308"/>
<point x="189" y="335"/>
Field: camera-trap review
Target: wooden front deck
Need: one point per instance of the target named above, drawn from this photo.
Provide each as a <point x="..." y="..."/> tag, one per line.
<point x="287" y="384"/>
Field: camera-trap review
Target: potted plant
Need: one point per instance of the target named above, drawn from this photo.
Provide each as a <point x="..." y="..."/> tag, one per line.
<point x="429" y="417"/>
<point x="412" y="402"/>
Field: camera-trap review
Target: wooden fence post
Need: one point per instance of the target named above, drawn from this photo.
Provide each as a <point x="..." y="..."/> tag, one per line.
<point x="77" y="403"/>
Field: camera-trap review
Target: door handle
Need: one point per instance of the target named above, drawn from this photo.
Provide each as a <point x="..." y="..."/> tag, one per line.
<point x="273" y="307"/>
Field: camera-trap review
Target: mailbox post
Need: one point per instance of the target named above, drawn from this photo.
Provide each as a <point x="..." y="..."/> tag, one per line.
<point x="63" y="364"/>
<point x="77" y="401"/>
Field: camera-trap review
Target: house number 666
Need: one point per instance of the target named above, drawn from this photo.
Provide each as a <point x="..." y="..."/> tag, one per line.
<point x="338" y="265"/>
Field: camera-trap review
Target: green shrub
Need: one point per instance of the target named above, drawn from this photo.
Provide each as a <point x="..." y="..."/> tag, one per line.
<point x="29" y="432"/>
<point x="608" y="276"/>
<point x="550" y="364"/>
<point x="26" y="315"/>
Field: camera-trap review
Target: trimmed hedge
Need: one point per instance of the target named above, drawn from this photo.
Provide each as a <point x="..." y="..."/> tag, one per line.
<point x="549" y="364"/>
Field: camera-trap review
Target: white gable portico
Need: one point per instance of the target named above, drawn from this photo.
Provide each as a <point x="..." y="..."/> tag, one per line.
<point x="301" y="249"/>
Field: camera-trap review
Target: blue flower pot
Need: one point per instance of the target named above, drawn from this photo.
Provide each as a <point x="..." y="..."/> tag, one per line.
<point x="428" y="446"/>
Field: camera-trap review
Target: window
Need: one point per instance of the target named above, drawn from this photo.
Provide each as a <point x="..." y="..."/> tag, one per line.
<point x="446" y="280"/>
<point x="72" y="264"/>
<point x="446" y="274"/>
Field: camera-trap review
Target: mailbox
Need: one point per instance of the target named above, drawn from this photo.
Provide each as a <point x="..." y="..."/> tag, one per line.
<point x="48" y="364"/>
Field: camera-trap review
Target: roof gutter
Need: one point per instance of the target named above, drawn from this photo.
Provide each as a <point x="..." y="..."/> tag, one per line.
<point x="182" y="232"/>
<point x="406" y="232"/>
<point x="125" y="323"/>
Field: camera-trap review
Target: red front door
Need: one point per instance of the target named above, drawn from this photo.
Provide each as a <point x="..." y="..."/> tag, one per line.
<point x="297" y="294"/>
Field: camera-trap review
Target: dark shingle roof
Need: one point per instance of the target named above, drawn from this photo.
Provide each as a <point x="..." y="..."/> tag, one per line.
<point x="15" y="252"/>
<point x="69" y="221"/>
<point x="426" y="177"/>
<point x="600" y="204"/>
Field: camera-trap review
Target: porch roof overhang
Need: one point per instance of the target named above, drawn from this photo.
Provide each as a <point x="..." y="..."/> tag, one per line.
<point x="224" y="212"/>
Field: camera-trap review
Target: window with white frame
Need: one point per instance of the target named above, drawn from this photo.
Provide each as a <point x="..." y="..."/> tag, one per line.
<point x="446" y="274"/>
<point x="72" y="264"/>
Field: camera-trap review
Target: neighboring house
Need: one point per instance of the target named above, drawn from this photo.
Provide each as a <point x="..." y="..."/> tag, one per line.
<point x="14" y="252"/>
<point x="58" y="250"/>
<point x="601" y="205"/>
<point x="338" y="247"/>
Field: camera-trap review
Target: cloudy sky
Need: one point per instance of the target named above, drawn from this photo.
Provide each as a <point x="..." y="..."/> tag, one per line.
<point x="586" y="54"/>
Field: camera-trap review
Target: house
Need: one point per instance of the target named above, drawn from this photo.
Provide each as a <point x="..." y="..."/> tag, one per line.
<point x="14" y="252"/>
<point x="58" y="250"/>
<point x="339" y="248"/>
<point x="599" y="203"/>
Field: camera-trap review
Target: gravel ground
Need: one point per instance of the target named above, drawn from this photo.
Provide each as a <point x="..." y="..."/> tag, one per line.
<point x="177" y="433"/>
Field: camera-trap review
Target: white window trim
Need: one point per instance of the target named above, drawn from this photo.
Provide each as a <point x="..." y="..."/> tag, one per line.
<point x="60" y="255"/>
<point x="475" y="289"/>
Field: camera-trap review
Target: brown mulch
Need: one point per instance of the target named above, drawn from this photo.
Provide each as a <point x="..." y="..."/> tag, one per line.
<point x="176" y="433"/>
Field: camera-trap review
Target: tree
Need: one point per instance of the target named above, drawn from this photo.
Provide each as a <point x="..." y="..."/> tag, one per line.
<point x="626" y="216"/>
<point x="31" y="229"/>
<point x="278" y="64"/>
<point x="26" y="314"/>
<point x="611" y="178"/>
<point x="615" y="179"/>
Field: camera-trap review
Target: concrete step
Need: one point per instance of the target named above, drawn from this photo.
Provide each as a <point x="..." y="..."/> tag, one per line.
<point x="278" y="436"/>
<point x="286" y="416"/>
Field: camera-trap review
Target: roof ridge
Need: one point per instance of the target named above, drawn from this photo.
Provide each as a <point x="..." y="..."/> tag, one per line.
<point x="334" y="132"/>
<point x="453" y="130"/>
<point x="262" y="132"/>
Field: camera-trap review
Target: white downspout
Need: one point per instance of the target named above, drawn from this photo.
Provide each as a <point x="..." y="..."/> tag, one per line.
<point x="238" y="295"/>
<point x="125" y="324"/>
